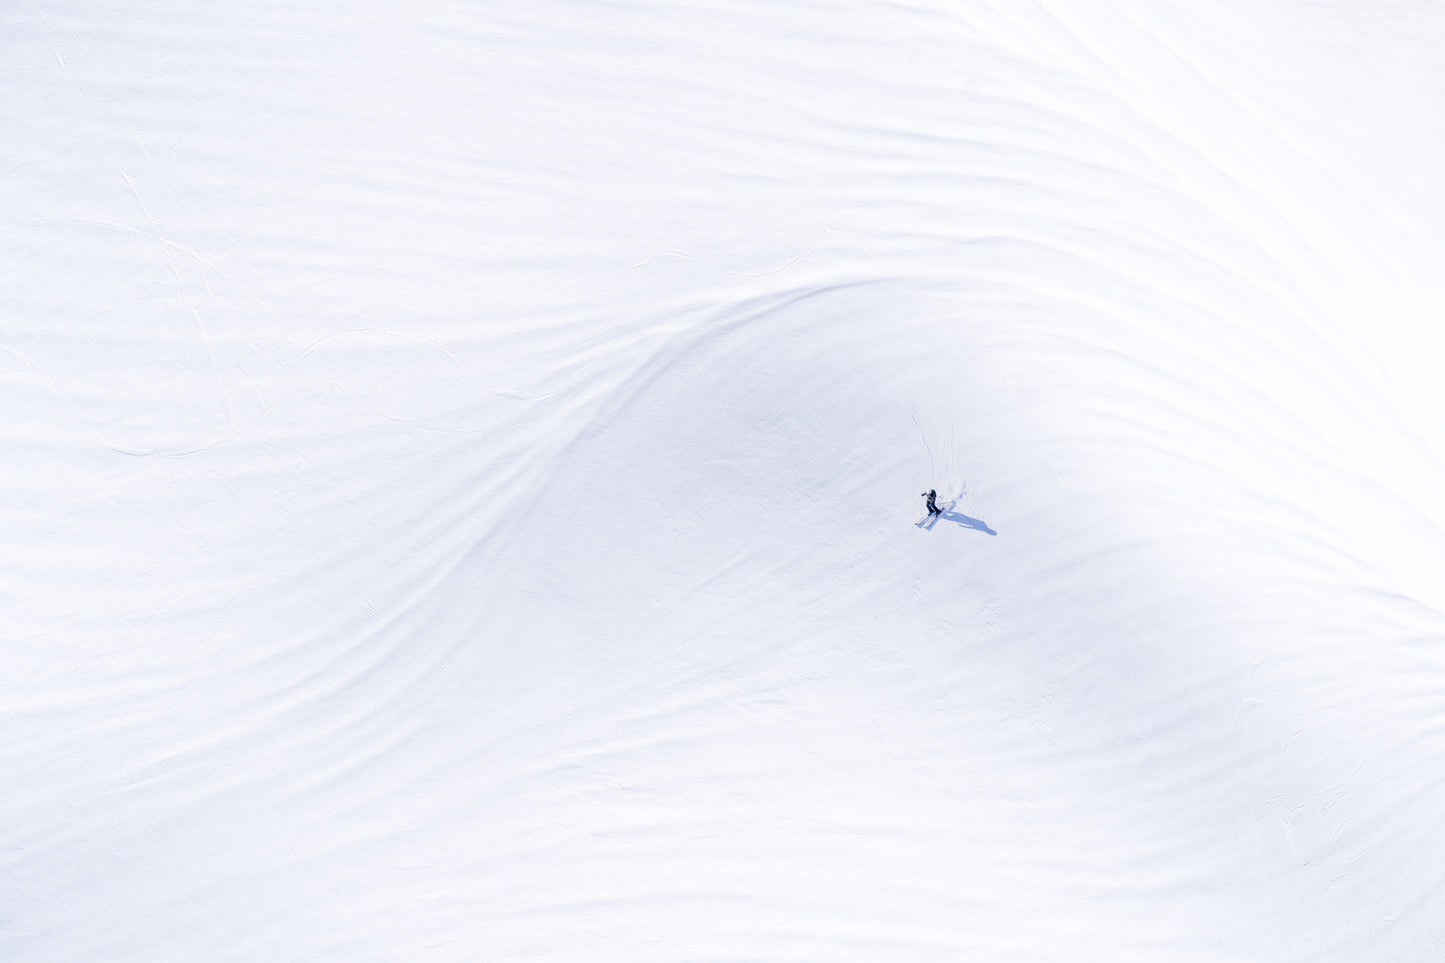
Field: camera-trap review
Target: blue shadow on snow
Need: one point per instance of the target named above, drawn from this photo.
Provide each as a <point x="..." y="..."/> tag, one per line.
<point x="966" y="521"/>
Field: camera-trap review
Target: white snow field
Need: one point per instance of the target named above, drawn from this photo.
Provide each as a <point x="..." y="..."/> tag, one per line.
<point x="461" y="466"/>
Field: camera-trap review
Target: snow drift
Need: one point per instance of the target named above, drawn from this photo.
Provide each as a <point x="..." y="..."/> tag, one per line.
<point x="462" y="469"/>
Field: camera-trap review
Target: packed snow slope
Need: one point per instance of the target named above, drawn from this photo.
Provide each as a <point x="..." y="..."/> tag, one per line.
<point x="462" y="465"/>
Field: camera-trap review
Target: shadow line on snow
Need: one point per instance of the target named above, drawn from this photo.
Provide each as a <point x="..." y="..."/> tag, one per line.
<point x="966" y="521"/>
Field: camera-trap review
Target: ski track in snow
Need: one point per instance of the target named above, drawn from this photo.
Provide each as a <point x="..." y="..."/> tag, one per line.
<point x="462" y="461"/>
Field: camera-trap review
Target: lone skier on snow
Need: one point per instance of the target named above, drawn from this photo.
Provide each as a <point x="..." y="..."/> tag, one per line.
<point x="933" y="508"/>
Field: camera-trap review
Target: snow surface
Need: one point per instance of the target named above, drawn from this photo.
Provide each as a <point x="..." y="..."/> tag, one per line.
<point x="461" y="465"/>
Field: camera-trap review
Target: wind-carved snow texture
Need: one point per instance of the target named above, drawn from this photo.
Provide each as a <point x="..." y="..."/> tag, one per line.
<point x="461" y="471"/>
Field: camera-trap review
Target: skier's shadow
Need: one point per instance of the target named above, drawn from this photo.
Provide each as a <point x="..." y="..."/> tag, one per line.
<point x="964" y="521"/>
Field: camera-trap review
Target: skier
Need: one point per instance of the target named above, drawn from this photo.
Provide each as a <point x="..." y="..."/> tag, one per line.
<point x="933" y="509"/>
